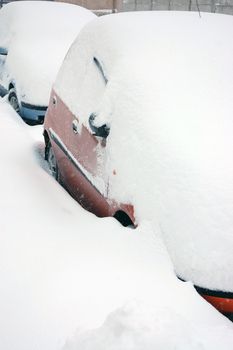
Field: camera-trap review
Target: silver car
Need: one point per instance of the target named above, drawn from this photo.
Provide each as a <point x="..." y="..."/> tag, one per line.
<point x="34" y="38"/>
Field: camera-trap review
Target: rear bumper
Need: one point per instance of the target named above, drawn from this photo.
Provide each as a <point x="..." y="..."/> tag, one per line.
<point x="222" y="301"/>
<point x="33" y="113"/>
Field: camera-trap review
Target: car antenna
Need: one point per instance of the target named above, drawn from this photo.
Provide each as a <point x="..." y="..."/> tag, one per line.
<point x="198" y="8"/>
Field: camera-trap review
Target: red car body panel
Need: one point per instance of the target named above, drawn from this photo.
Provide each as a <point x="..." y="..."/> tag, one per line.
<point x="76" y="156"/>
<point x="224" y="305"/>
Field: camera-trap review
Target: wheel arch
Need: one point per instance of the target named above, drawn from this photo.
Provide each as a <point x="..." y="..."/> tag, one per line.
<point x="123" y="218"/>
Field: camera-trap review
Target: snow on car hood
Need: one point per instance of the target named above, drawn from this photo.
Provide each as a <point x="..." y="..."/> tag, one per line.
<point x="37" y="35"/>
<point x="169" y="105"/>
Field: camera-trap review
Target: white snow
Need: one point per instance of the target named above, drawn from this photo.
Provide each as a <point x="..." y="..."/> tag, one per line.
<point x="38" y="35"/>
<point x="169" y="104"/>
<point x="70" y="280"/>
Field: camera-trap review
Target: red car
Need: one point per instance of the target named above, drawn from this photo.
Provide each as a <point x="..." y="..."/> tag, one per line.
<point x="125" y="134"/>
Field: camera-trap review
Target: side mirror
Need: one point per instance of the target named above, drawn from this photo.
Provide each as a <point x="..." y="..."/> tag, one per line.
<point x="101" y="131"/>
<point x="3" y="51"/>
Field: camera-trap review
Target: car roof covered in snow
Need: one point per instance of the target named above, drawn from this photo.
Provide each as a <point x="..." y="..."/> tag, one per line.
<point x="39" y="17"/>
<point x="178" y="40"/>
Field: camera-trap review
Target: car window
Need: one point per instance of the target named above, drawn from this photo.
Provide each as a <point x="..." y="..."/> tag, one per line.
<point x="93" y="89"/>
<point x="82" y="81"/>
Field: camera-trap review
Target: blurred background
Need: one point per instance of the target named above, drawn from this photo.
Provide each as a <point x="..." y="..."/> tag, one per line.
<point x="107" y="6"/>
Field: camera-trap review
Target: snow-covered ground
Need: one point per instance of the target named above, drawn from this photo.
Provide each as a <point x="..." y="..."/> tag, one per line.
<point x="72" y="281"/>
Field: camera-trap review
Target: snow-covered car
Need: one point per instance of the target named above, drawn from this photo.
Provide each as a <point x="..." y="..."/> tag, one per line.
<point x="34" y="39"/>
<point x="139" y="127"/>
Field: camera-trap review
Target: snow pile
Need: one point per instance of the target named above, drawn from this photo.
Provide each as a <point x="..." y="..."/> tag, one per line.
<point x="72" y="281"/>
<point x="141" y="326"/>
<point x="168" y="102"/>
<point x="38" y="34"/>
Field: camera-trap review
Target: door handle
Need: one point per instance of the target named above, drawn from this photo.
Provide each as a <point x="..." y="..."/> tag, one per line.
<point x="75" y="126"/>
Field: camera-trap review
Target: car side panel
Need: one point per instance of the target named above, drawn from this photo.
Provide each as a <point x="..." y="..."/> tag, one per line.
<point x="58" y="124"/>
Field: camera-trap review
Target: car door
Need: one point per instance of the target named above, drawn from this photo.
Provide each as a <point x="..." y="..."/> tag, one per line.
<point x="82" y="160"/>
